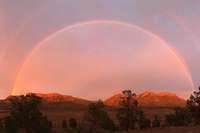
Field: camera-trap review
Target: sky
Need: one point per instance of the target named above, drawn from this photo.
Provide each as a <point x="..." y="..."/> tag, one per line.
<point x="94" y="49"/>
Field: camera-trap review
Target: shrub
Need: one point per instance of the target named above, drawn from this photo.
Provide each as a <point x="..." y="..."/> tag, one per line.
<point x="180" y="118"/>
<point x="193" y="104"/>
<point x="156" y="121"/>
<point x="26" y="114"/>
<point x="143" y="121"/>
<point x="96" y="119"/>
<point x="1" y="125"/>
<point x="64" y="124"/>
<point x="10" y="125"/>
<point x="72" y="123"/>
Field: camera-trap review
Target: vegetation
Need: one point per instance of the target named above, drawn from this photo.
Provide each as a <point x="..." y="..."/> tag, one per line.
<point x="96" y="119"/>
<point x="156" y="121"/>
<point x="25" y="115"/>
<point x="193" y="104"/>
<point x="127" y="114"/>
<point x="184" y="116"/>
<point x="64" y="124"/>
<point x="1" y="125"/>
<point x="181" y="117"/>
<point x="10" y="125"/>
<point x="142" y="121"/>
<point x="72" y="123"/>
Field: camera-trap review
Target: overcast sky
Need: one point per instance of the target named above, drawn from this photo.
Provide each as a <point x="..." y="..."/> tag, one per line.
<point x="96" y="48"/>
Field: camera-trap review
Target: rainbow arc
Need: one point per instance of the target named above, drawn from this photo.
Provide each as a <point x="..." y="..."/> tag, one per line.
<point x="175" y="53"/>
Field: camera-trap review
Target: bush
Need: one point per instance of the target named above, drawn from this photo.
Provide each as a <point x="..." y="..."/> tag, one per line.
<point x="44" y="125"/>
<point x="1" y="125"/>
<point x="170" y="119"/>
<point x="96" y="119"/>
<point x="193" y="104"/>
<point x="180" y="118"/>
<point x="72" y="123"/>
<point x="10" y="125"/>
<point x="64" y="124"/>
<point x="156" y="121"/>
<point x="143" y="121"/>
<point x="26" y="114"/>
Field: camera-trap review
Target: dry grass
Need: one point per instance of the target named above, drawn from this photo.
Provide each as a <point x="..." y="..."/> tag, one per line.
<point x="186" y="129"/>
<point x="57" y="116"/>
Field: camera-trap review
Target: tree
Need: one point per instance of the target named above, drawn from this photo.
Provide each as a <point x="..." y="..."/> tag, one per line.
<point x="193" y="104"/>
<point x="10" y="125"/>
<point x="156" y="121"/>
<point x="72" y="123"/>
<point x="181" y="117"/>
<point x="1" y="125"/>
<point x="64" y="124"/>
<point x="127" y="114"/>
<point x="170" y="119"/>
<point x="143" y="121"/>
<point x="44" y="125"/>
<point x="27" y="116"/>
<point x="96" y="119"/>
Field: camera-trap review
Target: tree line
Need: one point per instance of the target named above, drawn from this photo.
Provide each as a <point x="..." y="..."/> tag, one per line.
<point x="26" y="117"/>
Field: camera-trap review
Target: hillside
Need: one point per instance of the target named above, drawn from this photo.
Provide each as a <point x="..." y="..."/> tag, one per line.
<point x="53" y="101"/>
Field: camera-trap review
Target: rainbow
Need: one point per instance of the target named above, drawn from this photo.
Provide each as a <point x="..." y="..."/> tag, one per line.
<point x="101" y="22"/>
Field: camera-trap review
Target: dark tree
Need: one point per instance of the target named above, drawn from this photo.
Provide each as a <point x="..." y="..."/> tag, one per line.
<point x="96" y="118"/>
<point x="26" y="114"/>
<point x="143" y="121"/>
<point x="72" y="123"/>
<point x="64" y="124"/>
<point x="127" y="114"/>
<point x="180" y="118"/>
<point x="1" y="125"/>
<point x="156" y="121"/>
<point x="193" y="104"/>
<point x="170" y="119"/>
<point x="10" y="125"/>
<point x="44" y="126"/>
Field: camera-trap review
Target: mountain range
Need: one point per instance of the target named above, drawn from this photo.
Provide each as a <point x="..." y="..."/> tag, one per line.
<point x="146" y="99"/>
<point x="151" y="99"/>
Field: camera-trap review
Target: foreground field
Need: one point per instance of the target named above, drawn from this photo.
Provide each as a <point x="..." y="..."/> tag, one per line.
<point x="57" y="116"/>
<point x="185" y="129"/>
